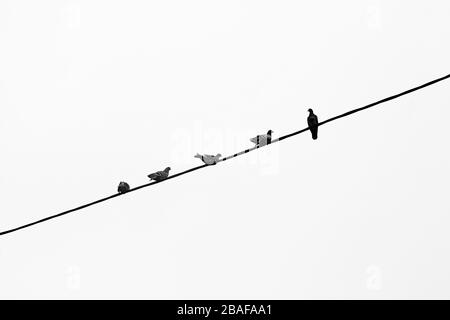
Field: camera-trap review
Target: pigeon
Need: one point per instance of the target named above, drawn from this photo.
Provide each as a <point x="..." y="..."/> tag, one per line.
<point x="123" y="187"/>
<point x="313" y="122"/>
<point x="208" y="158"/>
<point x="160" y="175"/>
<point x="262" y="139"/>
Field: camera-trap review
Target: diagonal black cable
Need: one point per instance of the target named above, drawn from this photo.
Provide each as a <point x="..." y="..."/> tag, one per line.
<point x="371" y="105"/>
<point x="235" y="155"/>
<point x="98" y="201"/>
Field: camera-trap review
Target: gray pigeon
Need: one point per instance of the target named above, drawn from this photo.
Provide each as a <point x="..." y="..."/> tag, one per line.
<point x="208" y="158"/>
<point x="313" y="122"/>
<point x="160" y="175"/>
<point x="263" y="139"/>
<point x="123" y="187"/>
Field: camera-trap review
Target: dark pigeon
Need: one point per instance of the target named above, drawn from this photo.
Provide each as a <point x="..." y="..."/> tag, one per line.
<point x="123" y="187"/>
<point x="160" y="175"/>
<point x="313" y="122"/>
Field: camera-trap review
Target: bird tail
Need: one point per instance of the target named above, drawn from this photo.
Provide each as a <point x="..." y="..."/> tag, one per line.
<point x="314" y="131"/>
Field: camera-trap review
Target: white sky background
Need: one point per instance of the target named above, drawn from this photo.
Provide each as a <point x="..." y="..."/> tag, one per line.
<point x="95" y="92"/>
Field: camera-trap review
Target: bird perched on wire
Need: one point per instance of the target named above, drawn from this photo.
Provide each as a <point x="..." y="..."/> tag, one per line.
<point x="313" y="122"/>
<point x="123" y="187"/>
<point x="208" y="158"/>
<point x="159" y="175"/>
<point x="263" y="139"/>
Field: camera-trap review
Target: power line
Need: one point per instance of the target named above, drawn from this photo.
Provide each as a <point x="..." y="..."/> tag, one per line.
<point x="98" y="201"/>
<point x="233" y="156"/>
<point x="371" y="105"/>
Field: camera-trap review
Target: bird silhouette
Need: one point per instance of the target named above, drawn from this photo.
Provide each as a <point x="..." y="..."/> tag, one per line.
<point x="263" y="139"/>
<point x="123" y="187"/>
<point x="159" y="175"/>
<point x="313" y="122"/>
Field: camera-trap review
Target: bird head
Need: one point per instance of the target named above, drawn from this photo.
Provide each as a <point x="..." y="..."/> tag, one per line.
<point x="167" y="169"/>
<point x="269" y="132"/>
<point x="218" y="155"/>
<point x="310" y="110"/>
